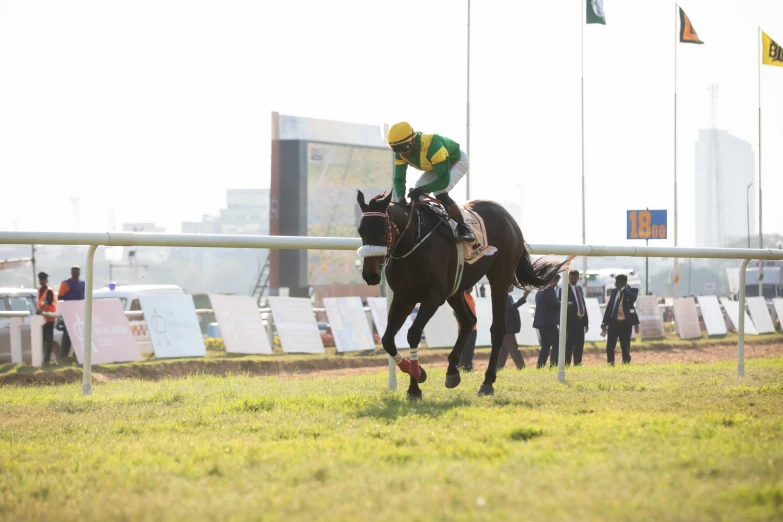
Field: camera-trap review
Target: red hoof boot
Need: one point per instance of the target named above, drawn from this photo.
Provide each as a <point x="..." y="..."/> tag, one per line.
<point x="405" y="366"/>
<point x="415" y="370"/>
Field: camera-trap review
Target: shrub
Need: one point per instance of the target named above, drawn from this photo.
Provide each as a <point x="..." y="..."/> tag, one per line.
<point x="214" y="344"/>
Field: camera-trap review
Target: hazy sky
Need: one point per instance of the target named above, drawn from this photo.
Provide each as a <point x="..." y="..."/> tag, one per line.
<point x="150" y="110"/>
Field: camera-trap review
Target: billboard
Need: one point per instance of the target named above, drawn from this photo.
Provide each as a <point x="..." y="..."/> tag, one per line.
<point x="334" y="174"/>
<point x="317" y="167"/>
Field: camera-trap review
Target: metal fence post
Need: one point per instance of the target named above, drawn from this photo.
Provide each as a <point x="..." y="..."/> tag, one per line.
<point x="389" y="296"/>
<point x="563" y="323"/>
<point x="87" y="352"/>
<point x="741" y="323"/>
<point x="16" y="339"/>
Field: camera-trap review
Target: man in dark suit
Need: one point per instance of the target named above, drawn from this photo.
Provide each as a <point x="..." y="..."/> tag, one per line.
<point x="577" y="324"/>
<point x="620" y="317"/>
<point x="547" y="319"/>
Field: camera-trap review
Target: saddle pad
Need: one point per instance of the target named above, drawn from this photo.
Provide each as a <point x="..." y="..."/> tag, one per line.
<point x="479" y="248"/>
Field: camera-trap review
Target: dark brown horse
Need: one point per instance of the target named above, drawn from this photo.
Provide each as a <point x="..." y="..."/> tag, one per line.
<point x="421" y="263"/>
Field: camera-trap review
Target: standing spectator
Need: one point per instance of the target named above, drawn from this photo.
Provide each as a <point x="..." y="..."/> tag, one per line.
<point x="482" y="291"/>
<point x="547" y="319"/>
<point x="619" y="318"/>
<point x="466" y="356"/>
<point x="47" y="303"/>
<point x="71" y="290"/>
<point x="513" y="326"/>
<point x="576" y="326"/>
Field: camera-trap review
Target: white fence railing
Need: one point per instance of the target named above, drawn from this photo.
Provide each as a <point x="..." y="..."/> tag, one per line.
<point x="94" y="240"/>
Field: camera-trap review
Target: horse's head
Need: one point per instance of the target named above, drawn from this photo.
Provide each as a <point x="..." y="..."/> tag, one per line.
<point x="373" y="229"/>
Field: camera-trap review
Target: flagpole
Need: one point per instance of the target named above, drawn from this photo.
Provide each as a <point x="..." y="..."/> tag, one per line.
<point x="467" y="115"/>
<point x="582" y="14"/>
<point x="676" y="259"/>
<point x="761" y="234"/>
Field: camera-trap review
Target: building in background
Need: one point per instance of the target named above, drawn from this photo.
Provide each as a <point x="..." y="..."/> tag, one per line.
<point x="246" y="212"/>
<point x="142" y="227"/>
<point x="725" y="208"/>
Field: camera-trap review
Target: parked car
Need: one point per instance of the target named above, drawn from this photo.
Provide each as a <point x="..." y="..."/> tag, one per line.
<point x="20" y="300"/>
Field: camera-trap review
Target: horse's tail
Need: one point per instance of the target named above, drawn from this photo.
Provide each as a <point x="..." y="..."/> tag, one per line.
<point x="537" y="275"/>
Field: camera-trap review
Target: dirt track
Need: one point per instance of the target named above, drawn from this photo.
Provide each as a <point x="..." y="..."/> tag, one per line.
<point x="343" y="366"/>
<point x="708" y="354"/>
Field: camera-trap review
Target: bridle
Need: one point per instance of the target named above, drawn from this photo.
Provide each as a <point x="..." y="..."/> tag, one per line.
<point x="391" y="228"/>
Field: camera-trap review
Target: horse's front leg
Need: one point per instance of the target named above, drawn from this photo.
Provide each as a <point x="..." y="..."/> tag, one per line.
<point x="398" y="313"/>
<point x="417" y="373"/>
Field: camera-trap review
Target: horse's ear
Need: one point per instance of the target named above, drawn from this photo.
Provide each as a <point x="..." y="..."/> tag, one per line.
<point x="360" y="200"/>
<point x="387" y="199"/>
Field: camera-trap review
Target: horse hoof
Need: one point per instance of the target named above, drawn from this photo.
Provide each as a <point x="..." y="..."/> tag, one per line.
<point x="414" y="395"/>
<point x="452" y="381"/>
<point x="422" y="377"/>
<point x="486" y="389"/>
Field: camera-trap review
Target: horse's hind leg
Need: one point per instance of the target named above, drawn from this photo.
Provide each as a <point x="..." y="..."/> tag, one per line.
<point x="466" y="322"/>
<point x="498" y="330"/>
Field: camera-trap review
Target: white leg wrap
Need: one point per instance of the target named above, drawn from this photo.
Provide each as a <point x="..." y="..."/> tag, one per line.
<point x="414" y="354"/>
<point x="397" y="358"/>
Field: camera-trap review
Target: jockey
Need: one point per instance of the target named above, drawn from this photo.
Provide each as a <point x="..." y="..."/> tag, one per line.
<point x="443" y="164"/>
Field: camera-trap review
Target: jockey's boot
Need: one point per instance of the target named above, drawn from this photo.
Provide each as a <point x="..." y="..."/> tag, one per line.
<point x="464" y="233"/>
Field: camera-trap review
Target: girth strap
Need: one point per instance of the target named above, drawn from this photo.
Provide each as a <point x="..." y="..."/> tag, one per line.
<point x="460" y="267"/>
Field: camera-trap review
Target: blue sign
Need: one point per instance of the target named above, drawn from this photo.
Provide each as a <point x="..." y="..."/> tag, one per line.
<point x="646" y="224"/>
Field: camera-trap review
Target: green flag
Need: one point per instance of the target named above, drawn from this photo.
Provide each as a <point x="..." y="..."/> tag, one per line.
<point x="595" y="12"/>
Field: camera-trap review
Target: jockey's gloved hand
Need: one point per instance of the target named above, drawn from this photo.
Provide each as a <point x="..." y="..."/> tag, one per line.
<point x="415" y="193"/>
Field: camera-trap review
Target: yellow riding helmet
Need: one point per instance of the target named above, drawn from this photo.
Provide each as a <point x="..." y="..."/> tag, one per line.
<point x="401" y="133"/>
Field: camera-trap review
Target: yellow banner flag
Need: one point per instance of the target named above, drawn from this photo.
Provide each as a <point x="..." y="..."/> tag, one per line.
<point x="771" y="52"/>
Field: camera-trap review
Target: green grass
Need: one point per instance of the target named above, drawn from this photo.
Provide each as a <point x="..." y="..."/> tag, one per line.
<point x="627" y="443"/>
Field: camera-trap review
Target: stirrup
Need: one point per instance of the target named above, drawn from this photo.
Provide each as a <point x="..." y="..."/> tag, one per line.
<point x="467" y="236"/>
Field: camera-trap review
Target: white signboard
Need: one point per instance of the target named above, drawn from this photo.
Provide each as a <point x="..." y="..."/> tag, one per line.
<point x="441" y="331"/>
<point x="349" y="324"/>
<point x="112" y="340"/>
<point x="595" y="318"/>
<point x="296" y="326"/>
<point x="241" y="327"/>
<point x="172" y="325"/>
<point x="527" y="336"/>
<point x="778" y="302"/>
<point x="484" y="318"/>
<point x="650" y="318"/>
<point x="380" y="315"/>
<point x="760" y="314"/>
<point x="733" y="311"/>
<point x="687" y="318"/>
<point x="712" y="314"/>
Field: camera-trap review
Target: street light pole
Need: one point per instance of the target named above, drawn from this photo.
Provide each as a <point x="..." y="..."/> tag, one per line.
<point x="747" y="206"/>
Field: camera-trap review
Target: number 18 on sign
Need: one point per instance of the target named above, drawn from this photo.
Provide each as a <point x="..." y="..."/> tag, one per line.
<point x="646" y="224"/>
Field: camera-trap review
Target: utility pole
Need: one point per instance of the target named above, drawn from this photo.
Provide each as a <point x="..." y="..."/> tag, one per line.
<point x="32" y="258"/>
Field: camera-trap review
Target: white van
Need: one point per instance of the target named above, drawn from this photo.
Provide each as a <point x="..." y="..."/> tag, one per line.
<point x="129" y="295"/>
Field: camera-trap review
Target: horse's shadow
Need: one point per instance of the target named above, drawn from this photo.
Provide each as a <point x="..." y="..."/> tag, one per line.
<point x="396" y="406"/>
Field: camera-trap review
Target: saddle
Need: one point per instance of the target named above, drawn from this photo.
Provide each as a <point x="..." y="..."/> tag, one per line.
<point x="474" y="250"/>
